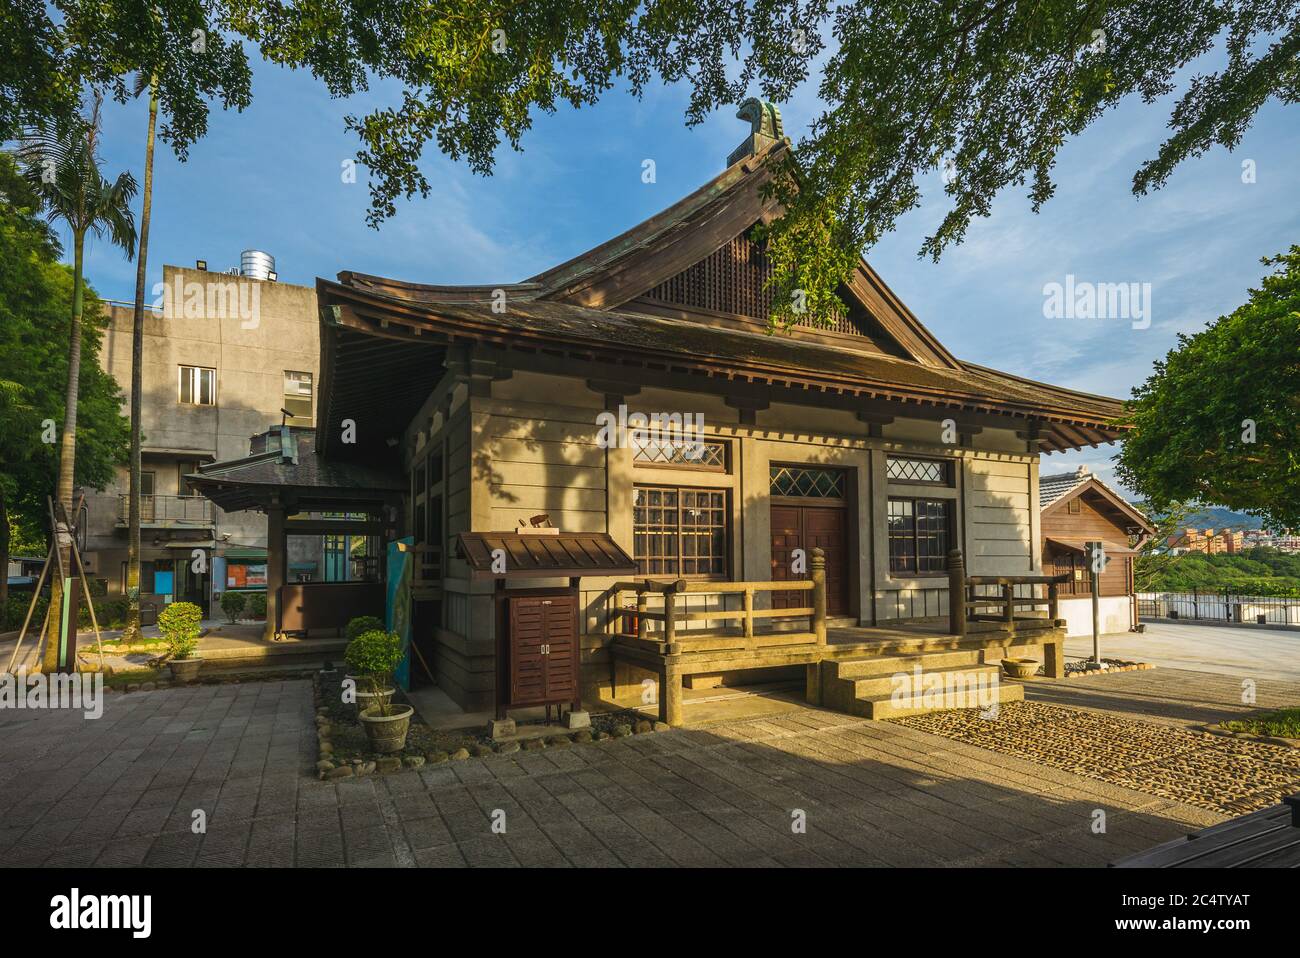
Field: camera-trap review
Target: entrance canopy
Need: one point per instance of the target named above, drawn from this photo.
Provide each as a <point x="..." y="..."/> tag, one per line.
<point x="539" y="555"/>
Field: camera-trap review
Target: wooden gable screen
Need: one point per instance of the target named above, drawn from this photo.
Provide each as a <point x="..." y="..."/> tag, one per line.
<point x="733" y="280"/>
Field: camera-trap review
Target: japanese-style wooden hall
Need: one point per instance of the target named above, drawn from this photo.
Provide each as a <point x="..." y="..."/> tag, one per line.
<point x="856" y="493"/>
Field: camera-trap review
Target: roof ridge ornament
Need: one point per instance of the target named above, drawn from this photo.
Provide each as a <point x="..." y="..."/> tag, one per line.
<point x="766" y="128"/>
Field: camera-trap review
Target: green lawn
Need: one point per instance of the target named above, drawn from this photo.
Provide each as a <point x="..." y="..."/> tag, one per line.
<point x="1284" y="723"/>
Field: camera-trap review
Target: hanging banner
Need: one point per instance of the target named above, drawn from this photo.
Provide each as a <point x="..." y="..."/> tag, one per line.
<point x="397" y="603"/>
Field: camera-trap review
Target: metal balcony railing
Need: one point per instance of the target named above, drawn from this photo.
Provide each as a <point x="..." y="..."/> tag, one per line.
<point x="160" y="510"/>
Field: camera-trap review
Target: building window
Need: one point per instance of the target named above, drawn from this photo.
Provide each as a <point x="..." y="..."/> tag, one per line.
<point x="198" y="386"/>
<point x="1072" y="507"/>
<point x="704" y="454"/>
<point x="679" y="531"/>
<point x="933" y="471"/>
<point x="297" y="396"/>
<point x="920" y="535"/>
<point x="186" y="467"/>
<point x="799" y="482"/>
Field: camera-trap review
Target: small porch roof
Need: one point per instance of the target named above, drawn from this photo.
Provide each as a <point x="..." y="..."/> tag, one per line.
<point x="537" y="555"/>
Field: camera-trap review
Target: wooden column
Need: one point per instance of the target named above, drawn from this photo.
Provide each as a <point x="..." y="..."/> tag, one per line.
<point x="1053" y="602"/>
<point x="276" y="564"/>
<point x="818" y="567"/>
<point x="956" y="593"/>
<point x="670" y="696"/>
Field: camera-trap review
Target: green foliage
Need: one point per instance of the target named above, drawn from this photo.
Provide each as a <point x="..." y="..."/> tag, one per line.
<point x="110" y="612"/>
<point x="179" y="624"/>
<point x="993" y="88"/>
<point x="1260" y="571"/>
<point x="52" y="54"/>
<point x="232" y="603"/>
<point x="257" y="605"/>
<point x="35" y="324"/>
<point x="1190" y="438"/>
<point x="362" y="623"/>
<point x="1284" y="723"/>
<point x="375" y="655"/>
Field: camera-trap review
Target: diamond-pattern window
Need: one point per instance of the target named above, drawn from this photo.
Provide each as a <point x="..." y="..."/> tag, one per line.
<point x="800" y="482"/>
<point x="899" y="469"/>
<point x="682" y="455"/>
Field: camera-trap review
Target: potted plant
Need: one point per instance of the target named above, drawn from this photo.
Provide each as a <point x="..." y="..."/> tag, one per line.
<point x="374" y="655"/>
<point x="356" y="626"/>
<point x="232" y="603"/>
<point x="179" y="623"/>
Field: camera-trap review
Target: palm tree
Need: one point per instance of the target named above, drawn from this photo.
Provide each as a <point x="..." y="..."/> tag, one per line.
<point x="137" y="361"/>
<point x="63" y="168"/>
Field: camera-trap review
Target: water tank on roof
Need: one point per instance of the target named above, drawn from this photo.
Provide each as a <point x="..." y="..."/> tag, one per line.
<point x="256" y="264"/>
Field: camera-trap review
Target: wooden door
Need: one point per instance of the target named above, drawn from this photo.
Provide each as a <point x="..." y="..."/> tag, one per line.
<point x="809" y="527"/>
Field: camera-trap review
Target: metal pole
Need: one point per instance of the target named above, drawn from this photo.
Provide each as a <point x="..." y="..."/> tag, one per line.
<point x="1094" y="555"/>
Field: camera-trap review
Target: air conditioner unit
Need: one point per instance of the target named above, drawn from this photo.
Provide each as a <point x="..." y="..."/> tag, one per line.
<point x="233" y="271"/>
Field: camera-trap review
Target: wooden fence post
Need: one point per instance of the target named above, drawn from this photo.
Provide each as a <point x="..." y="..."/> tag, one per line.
<point x="1008" y="604"/>
<point x="818" y="566"/>
<point x="1053" y="602"/>
<point x="956" y="593"/>
<point x="642" y="606"/>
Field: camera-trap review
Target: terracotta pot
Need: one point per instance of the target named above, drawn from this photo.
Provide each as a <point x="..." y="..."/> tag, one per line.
<point x="185" y="670"/>
<point x="387" y="733"/>
<point x="1020" y="668"/>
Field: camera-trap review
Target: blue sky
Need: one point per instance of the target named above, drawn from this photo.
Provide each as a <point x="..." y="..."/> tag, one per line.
<point x="269" y="178"/>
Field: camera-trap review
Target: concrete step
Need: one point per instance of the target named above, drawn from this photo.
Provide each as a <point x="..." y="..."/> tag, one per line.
<point x="868" y="666"/>
<point x="869" y="686"/>
<point x="919" y="703"/>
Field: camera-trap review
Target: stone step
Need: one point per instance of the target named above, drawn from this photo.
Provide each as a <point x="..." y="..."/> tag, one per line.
<point x="886" y="706"/>
<point x="867" y="666"/>
<point x="869" y="686"/>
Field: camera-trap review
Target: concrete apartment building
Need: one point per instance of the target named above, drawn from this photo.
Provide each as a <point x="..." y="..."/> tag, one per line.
<point x="224" y="354"/>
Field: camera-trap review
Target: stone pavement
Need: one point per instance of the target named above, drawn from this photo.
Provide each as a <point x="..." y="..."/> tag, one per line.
<point x="123" y="790"/>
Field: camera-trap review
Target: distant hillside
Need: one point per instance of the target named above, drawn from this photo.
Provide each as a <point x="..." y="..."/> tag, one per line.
<point x="1216" y="517"/>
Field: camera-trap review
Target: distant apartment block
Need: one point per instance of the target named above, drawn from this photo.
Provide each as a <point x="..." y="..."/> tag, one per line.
<point x="225" y="357"/>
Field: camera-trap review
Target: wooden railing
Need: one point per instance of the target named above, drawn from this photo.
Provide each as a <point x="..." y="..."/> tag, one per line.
<point x="965" y="604"/>
<point x="672" y="614"/>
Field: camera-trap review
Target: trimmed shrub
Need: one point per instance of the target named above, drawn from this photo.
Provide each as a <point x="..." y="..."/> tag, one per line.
<point x="363" y="623"/>
<point x="257" y="605"/>
<point x="232" y="603"/>
<point x="179" y="624"/>
<point x="375" y="655"/>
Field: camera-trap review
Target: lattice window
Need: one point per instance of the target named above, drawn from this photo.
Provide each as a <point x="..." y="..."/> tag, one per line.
<point x="920" y="531"/>
<point x="704" y="454"/>
<point x="807" y="483"/>
<point x="733" y="280"/>
<point x="679" y="531"/>
<point x="936" y="471"/>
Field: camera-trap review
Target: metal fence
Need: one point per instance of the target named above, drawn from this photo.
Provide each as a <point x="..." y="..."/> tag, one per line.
<point x="1219" y="607"/>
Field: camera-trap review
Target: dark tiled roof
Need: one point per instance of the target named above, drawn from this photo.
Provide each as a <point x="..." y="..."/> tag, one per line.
<point x="242" y="483"/>
<point x="1051" y="488"/>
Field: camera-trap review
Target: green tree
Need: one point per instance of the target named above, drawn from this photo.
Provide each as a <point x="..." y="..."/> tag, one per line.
<point x="35" y="327"/>
<point x="989" y="90"/>
<point x="62" y="166"/>
<point x="132" y="632"/>
<point x="1219" y="419"/>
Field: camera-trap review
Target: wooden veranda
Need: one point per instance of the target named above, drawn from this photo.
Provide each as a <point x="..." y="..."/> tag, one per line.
<point x="661" y="635"/>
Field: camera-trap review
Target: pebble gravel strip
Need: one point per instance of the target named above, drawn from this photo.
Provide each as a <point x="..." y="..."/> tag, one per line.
<point x="1207" y="771"/>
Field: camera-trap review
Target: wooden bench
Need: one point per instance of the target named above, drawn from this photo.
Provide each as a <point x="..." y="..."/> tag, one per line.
<point x="1269" y="838"/>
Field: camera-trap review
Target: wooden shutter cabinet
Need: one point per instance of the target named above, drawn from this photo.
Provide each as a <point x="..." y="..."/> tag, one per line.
<point x="543" y="649"/>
